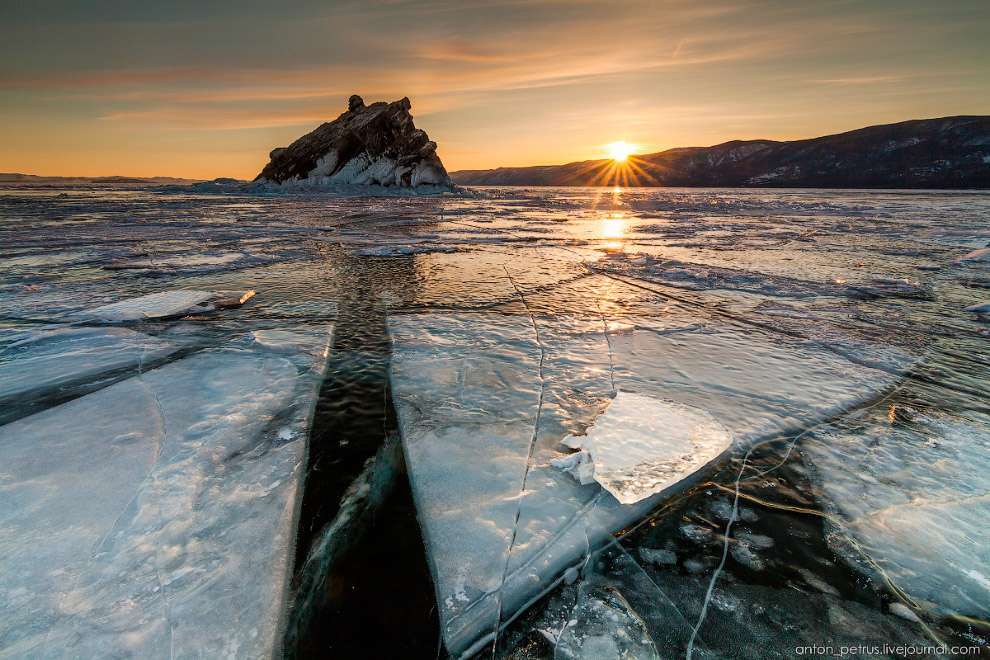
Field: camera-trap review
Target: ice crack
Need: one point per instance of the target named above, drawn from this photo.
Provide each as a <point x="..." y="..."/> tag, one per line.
<point x="529" y="459"/>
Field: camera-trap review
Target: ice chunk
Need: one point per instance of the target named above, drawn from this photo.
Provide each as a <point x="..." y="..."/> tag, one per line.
<point x="70" y="357"/>
<point x="232" y="299"/>
<point x="604" y="625"/>
<point x="578" y="465"/>
<point x="155" y="518"/>
<point x="641" y="445"/>
<point x="502" y="531"/>
<point x="977" y="255"/>
<point x="156" y="305"/>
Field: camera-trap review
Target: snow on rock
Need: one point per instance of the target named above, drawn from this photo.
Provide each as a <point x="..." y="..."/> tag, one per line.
<point x="578" y="465"/>
<point x="155" y="518"/>
<point x="642" y="445"/>
<point x="502" y="531"/>
<point x="367" y="145"/>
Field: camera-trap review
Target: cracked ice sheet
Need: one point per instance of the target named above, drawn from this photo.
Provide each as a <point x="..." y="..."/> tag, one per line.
<point x="155" y="517"/>
<point x="467" y="391"/>
<point x="915" y="497"/>
<point x="38" y="362"/>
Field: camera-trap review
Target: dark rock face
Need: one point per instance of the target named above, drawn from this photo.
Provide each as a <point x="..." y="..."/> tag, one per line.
<point x="952" y="152"/>
<point x="374" y="144"/>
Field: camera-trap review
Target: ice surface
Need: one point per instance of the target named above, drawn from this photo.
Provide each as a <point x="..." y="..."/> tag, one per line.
<point x="155" y="305"/>
<point x="62" y="358"/>
<point x="155" y="518"/>
<point x="915" y="497"/>
<point x="723" y="300"/>
<point x="641" y="445"/>
<point x="484" y="399"/>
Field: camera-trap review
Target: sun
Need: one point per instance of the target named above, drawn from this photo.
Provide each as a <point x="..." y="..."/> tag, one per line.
<point x="620" y="150"/>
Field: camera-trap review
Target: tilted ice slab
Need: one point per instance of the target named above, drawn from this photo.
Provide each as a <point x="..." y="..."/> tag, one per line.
<point x="480" y="397"/>
<point x="153" y="306"/>
<point x="66" y="357"/>
<point x="915" y="497"/>
<point x="155" y="518"/>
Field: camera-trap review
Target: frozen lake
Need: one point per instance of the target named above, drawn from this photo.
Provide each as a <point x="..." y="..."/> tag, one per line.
<point x="556" y="423"/>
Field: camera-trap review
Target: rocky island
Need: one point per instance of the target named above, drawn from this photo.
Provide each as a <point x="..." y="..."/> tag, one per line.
<point x="375" y="144"/>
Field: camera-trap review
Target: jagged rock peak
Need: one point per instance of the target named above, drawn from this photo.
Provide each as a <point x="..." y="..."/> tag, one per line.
<point x="375" y="144"/>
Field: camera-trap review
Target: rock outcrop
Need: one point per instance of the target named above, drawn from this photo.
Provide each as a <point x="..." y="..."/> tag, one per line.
<point x="376" y="144"/>
<point x="951" y="152"/>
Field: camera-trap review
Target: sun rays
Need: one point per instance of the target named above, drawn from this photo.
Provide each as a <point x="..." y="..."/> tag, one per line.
<point x="619" y="151"/>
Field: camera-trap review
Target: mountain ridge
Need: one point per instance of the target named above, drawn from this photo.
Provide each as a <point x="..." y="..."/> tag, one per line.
<point x="946" y="152"/>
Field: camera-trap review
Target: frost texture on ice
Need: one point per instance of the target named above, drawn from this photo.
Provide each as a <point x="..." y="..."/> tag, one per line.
<point x="468" y="386"/>
<point x="915" y="497"/>
<point x="642" y="445"/>
<point x="65" y="357"/>
<point x="156" y="305"/>
<point x="155" y="518"/>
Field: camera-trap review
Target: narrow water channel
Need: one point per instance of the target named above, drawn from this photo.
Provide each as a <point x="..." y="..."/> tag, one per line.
<point x="368" y="594"/>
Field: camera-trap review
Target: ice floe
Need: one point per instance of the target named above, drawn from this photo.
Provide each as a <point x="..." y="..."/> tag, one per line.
<point x="54" y="361"/>
<point x="977" y="255"/>
<point x="155" y="517"/>
<point x="502" y="531"/>
<point x="167" y="304"/>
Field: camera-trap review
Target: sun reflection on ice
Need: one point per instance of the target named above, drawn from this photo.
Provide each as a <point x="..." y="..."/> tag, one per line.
<point x="613" y="230"/>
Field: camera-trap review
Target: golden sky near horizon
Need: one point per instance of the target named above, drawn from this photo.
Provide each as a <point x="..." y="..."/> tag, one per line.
<point x="206" y="89"/>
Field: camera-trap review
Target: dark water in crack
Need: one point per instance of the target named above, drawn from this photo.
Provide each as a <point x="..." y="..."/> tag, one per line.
<point x="375" y="596"/>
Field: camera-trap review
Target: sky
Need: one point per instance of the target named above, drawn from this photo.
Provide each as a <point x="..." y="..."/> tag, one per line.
<point x="203" y="89"/>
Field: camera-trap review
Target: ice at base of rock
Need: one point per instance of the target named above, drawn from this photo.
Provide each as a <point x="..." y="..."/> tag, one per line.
<point x="155" y="518"/>
<point x="642" y="445"/>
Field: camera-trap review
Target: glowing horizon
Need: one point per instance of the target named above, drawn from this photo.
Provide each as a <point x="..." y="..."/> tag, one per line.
<point x="203" y="90"/>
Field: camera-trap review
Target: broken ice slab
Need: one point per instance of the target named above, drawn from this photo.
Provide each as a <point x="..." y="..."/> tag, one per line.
<point x="485" y="399"/>
<point x="977" y="255"/>
<point x="50" y="362"/>
<point x="52" y="357"/>
<point x="912" y="491"/>
<point x="232" y="299"/>
<point x="155" y="518"/>
<point x="167" y="304"/>
<point x="641" y="445"/>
